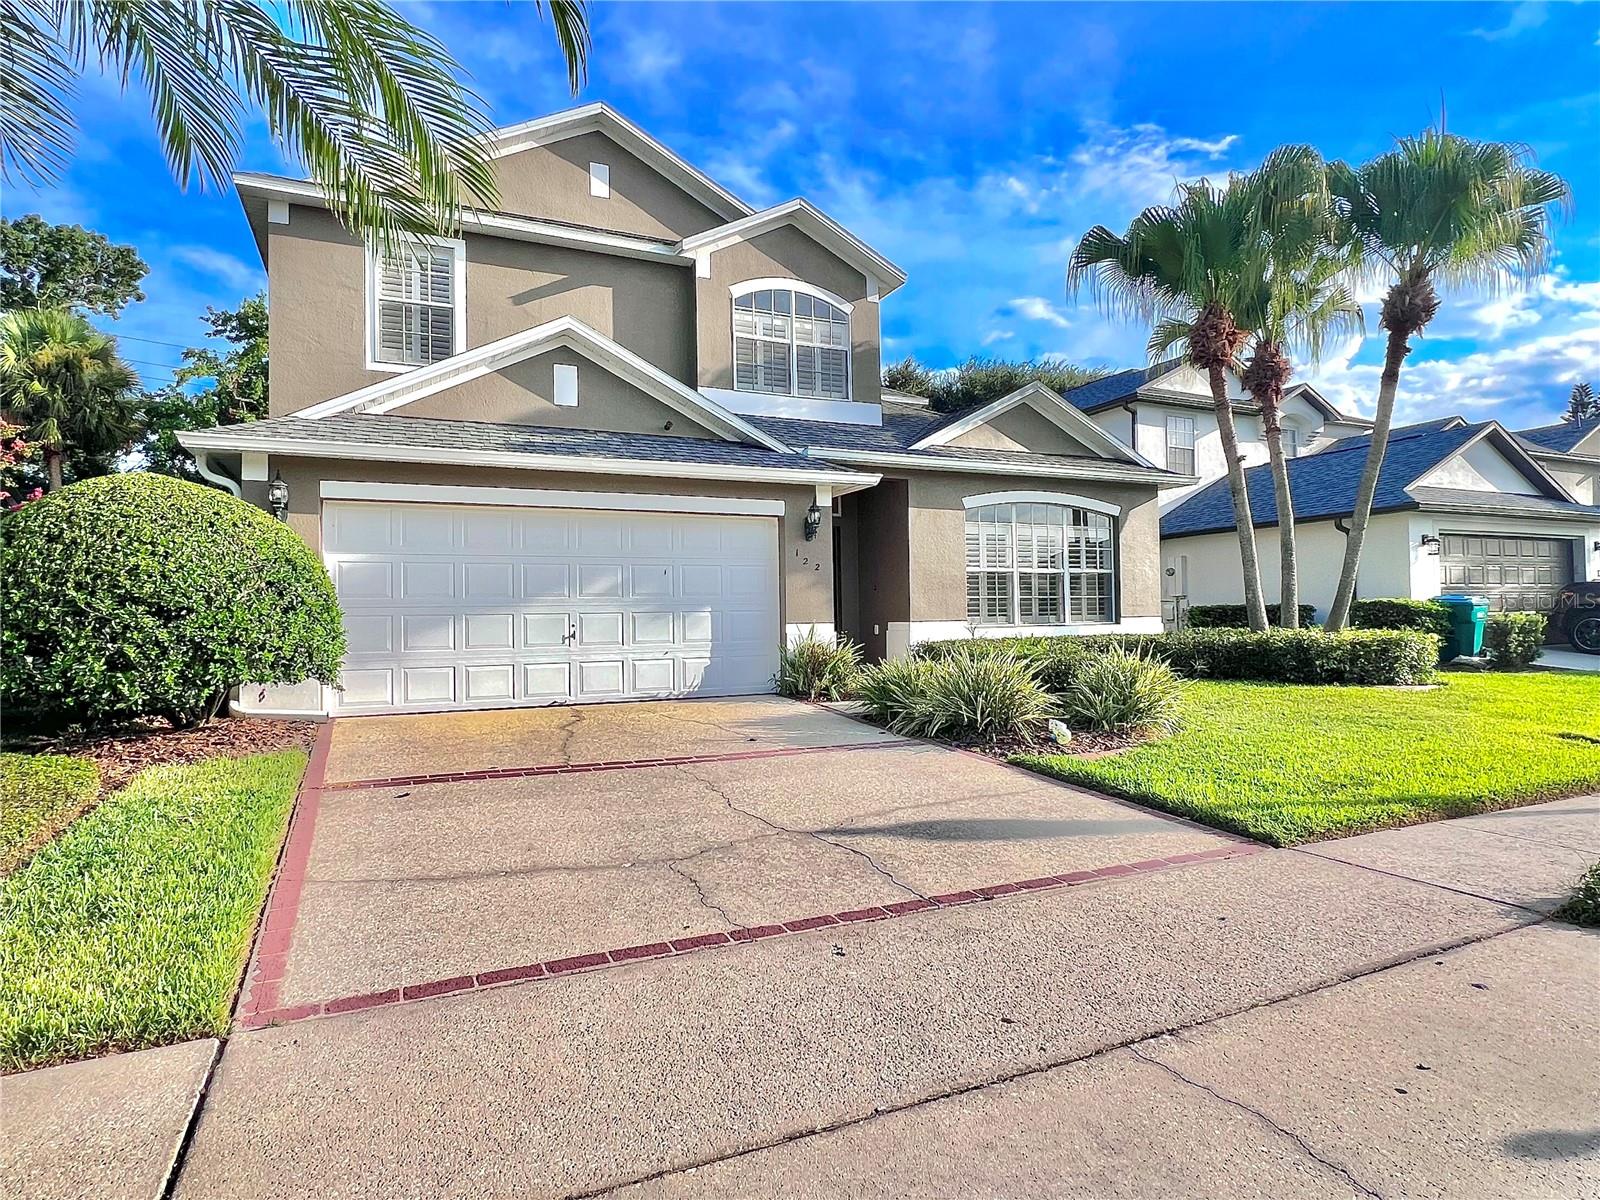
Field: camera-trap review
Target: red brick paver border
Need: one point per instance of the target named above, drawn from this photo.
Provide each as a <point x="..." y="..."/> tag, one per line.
<point x="262" y="1009"/>
<point x="623" y="764"/>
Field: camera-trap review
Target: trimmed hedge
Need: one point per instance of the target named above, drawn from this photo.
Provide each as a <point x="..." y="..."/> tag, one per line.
<point x="1233" y="616"/>
<point x="1352" y="656"/>
<point x="1429" y="616"/>
<point x="140" y="595"/>
<point x="1514" y="639"/>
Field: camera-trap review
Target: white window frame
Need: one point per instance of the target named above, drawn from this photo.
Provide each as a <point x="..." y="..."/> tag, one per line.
<point x="1289" y="439"/>
<point x="1014" y="571"/>
<point x="800" y="287"/>
<point x="1193" y="434"/>
<point x="458" y="305"/>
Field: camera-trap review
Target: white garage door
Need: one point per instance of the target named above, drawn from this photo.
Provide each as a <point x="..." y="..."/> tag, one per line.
<point x="467" y="606"/>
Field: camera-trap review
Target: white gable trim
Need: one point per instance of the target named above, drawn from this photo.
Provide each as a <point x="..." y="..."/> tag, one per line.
<point x="1048" y="405"/>
<point x="564" y="332"/>
<point x="1065" y="498"/>
<point x="882" y="275"/>
<point x="602" y="118"/>
<point x="1512" y="452"/>
<point x="278" y="190"/>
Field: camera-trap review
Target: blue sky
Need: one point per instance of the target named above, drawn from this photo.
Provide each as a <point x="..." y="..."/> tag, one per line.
<point x="974" y="144"/>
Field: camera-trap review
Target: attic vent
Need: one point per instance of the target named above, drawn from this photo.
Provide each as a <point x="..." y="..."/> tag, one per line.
<point x="599" y="180"/>
<point x="566" y="378"/>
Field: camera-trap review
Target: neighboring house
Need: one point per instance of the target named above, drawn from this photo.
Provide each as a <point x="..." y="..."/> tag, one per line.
<point x="626" y="434"/>
<point x="1570" y="451"/>
<point x="1165" y="413"/>
<point x="1459" y="508"/>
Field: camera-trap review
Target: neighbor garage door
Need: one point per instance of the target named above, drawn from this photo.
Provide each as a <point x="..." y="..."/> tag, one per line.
<point x="478" y="607"/>
<point x="1515" y="573"/>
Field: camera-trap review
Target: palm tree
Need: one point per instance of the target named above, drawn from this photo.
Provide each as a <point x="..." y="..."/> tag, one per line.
<point x="371" y="104"/>
<point x="61" y="380"/>
<point x="1183" y="268"/>
<point x="1301" y="301"/>
<point x="1437" y="209"/>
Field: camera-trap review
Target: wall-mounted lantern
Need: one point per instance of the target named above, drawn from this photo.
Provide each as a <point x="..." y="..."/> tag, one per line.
<point x="813" y="521"/>
<point x="1430" y="544"/>
<point x="278" y="496"/>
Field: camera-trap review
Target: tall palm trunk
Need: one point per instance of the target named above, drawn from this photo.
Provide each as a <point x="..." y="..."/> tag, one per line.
<point x="1266" y="376"/>
<point x="1288" y="555"/>
<point x="52" y="466"/>
<point x="1407" y="309"/>
<point x="1254" y="606"/>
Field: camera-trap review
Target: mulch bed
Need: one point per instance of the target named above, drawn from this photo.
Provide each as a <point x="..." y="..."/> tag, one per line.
<point x="1083" y="745"/>
<point x="123" y="753"/>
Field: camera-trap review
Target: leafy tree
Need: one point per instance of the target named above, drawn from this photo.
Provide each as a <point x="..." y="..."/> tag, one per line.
<point x="1295" y="299"/>
<point x="1185" y="268"/>
<point x="1437" y="209"/>
<point x="61" y="380"/>
<point x="1581" y="405"/>
<point x="65" y="266"/>
<point x="234" y="387"/>
<point x="909" y="377"/>
<point x="370" y="104"/>
<point x="980" y="381"/>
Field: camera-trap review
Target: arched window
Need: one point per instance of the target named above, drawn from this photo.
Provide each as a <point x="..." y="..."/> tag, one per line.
<point x="1040" y="564"/>
<point x="790" y="340"/>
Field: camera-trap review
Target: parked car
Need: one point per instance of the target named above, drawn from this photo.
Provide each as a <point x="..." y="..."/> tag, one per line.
<point x="1577" y="615"/>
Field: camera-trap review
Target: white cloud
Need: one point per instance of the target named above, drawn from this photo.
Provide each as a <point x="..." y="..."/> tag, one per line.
<point x="649" y="57"/>
<point x="1141" y="164"/>
<point x="222" y="268"/>
<point x="1036" y="308"/>
<point x="1529" y="14"/>
<point x="998" y="335"/>
<point x="743" y="168"/>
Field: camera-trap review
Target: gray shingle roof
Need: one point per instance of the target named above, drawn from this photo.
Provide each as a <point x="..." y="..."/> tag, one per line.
<point x="903" y="426"/>
<point x="1501" y="502"/>
<point x="1113" y="389"/>
<point x="525" y="439"/>
<point x="1561" y="437"/>
<point x="1324" y="484"/>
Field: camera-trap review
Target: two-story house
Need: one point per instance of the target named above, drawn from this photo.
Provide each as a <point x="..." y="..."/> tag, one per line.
<point x="625" y="435"/>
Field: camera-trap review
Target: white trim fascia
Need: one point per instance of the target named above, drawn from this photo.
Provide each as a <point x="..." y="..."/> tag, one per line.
<point x="226" y="438"/>
<point x="602" y="118"/>
<point x="1495" y="510"/>
<point x="1047" y="404"/>
<point x="1110" y="473"/>
<point x="202" y="464"/>
<point x="561" y="333"/>
<point x="431" y="493"/>
<point x="788" y="284"/>
<point x="1517" y="456"/>
<point x="528" y="229"/>
<point x="797" y="408"/>
<point x="458" y="304"/>
<point x="816" y="224"/>
<point x="1064" y="498"/>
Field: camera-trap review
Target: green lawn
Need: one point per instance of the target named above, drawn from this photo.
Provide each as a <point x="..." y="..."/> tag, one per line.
<point x="39" y="795"/>
<point x="130" y="929"/>
<point x="1297" y="764"/>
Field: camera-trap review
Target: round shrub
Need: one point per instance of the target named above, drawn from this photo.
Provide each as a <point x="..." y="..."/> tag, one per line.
<point x="140" y="595"/>
<point x="1123" y="691"/>
<point x="971" y="694"/>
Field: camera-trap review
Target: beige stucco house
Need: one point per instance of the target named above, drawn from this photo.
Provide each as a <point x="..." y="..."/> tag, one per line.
<point x="625" y="435"/>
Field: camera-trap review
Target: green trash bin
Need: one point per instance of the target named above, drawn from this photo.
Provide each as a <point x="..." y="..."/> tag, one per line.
<point x="1468" y="615"/>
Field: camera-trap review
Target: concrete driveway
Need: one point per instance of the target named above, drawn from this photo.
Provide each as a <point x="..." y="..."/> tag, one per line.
<point x="445" y="847"/>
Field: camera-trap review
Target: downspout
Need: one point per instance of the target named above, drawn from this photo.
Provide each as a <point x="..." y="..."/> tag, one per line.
<point x="216" y="475"/>
<point x="1340" y="523"/>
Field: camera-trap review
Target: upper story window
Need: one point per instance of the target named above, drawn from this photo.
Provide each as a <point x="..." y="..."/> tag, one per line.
<point x="790" y="340"/>
<point x="417" y="303"/>
<point x="1180" y="444"/>
<point x="1291" y="441"/>
<point x="1039" y="564"/>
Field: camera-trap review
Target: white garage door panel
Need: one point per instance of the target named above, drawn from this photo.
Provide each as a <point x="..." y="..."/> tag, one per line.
<point x="467" y="606"/>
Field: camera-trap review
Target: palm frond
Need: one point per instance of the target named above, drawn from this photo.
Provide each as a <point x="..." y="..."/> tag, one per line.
<point x="36" y="91"/>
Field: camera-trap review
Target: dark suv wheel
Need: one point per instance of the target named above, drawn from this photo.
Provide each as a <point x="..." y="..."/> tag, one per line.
<point x="1583" y="632"/>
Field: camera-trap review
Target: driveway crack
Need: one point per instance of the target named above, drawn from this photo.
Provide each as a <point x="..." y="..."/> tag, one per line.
<point x="676" y="867"/>
<point x="567" y="730"/>
<point x="721" y="793"/>
<point x="1262" y="1117"/>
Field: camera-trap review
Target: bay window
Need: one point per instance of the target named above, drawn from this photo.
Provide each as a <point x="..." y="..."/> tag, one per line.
<point x="1039" y="564"/>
